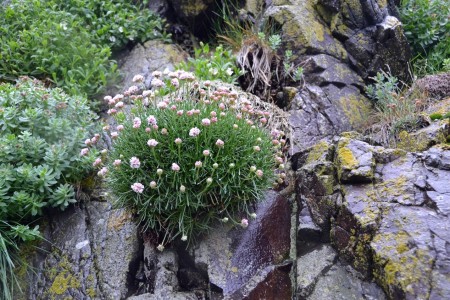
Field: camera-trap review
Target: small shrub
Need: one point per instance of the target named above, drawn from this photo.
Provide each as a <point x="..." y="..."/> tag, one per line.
<point x="70" y="42"/>
<point x="396" y="111"/>
<point x="116" y="22"/>
<point x="427" y="27"/>
<point x="218" y="65"/>
<point x="42" y="134"/>
<point x="189" y="158"/>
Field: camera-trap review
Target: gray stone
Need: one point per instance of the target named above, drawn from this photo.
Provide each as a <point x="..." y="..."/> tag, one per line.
<point x="393" y="228"/>
<point x="339" y="284"/>
<point x="311" y="265"/>
<point x="94" y="253"/>
<point x="143" y="59"/>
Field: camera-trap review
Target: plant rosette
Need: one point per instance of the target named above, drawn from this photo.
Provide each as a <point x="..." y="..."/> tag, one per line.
<point x="187" y="155"/>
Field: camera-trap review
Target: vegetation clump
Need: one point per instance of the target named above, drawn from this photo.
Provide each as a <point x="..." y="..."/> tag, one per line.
<point x="70" y="42"/>
<point x="42" y="135"/>
<point x="188" y="157"/>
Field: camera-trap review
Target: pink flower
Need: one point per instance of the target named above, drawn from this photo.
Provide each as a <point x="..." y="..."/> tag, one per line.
<point x="117" y="162"/>
<point x="198" y="164"/>
<point x="120" y="127"/>
<point x="219" y="143"/>
<point x="275" y="142"/>
<point x="206" y="122"/>
<point x="114" y="135"/>
<point x="221" y="106"/>
<point x="148" y="129"/>
<point x="194" y="132"/>
<point x="88" y="142"/>
<point x="180" y="113"/>
<point x="164" y="131"/>
<point x="213" y="114"/>
<point x="135" y="163"/>
<point x="137" y="187"/>
<point x="259" y="173"/>
<point x="196" y="111"/>
<point x="97" y="162"/>
<point x="239" y="116"/>
<point x="249" y="122"/>
<point x="120" y="104"/>
<point x="206" y="152"/>
<point x="214" y="120"/>
<point x="138" y="78"/>
<point x="102" y="172"/>
<point x="107" y="98"/>
<point x="151" y="120"/>
<point x="118" y="97"/>
<point x="136" y="123"/>
<point x="207" y="83"/>
<point x="173" y="107"/>
<point x="84" y="151"/>
<point x="244" y="223"/>
<point x="175" y="82"/>
<point x="155" y="127"/>
<point x="175" y="167"/>
<point x="157" y="83"/>
<point x="256" y="148"/>
<point x="152" y="143"/>
<point x="263" y="120"/>
<point x="162" y="105"/>
<point x="190" y="112"/>
<point x="111" y="111"/>
<point x="178" y="141"/>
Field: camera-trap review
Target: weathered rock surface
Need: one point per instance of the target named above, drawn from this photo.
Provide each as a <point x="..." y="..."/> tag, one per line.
<point x="143" y="59"/>
<point x="92" y="252"/>
<point x="230" y="262"/>
<point x="391" y="223"/>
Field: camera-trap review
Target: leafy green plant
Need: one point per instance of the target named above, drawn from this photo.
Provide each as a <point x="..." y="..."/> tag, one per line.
<point x="42" y="134"/>
<point x="116" y="22"/>
<point x="295" y="72"/>
<point x="217" y="65"/>
<point x="69" y="42"/>
<point x="427" y="27"/>
<point x="182" y="161"/>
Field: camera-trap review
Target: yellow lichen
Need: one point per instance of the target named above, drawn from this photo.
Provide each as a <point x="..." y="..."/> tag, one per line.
<point x="62" y="282"/>
<point x="317" y="151"/>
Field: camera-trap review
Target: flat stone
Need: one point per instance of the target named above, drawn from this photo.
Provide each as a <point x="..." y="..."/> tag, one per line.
<point x="339" y="284"/>
<point x="311" y="265"/>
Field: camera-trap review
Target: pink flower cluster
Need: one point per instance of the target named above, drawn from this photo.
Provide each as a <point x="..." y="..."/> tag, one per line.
<point x="135" y="162"/>
<point x="137" y="187"/>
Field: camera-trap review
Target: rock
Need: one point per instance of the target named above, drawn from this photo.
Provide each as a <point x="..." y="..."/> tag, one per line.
<point x="355" y="161"/>
<point x="143" y="59"/>
<point x="392" y="228"/>
<point x="253" y="260"/>
<point x="340" y="284"/>
<point x="94" y="254"/>
<point x="437" y="157"/>
<point x="434" y="86"/>
<point x="311" y="266"/>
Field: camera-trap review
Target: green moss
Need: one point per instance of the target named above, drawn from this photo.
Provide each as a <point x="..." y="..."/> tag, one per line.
<point x="436" y="116"/>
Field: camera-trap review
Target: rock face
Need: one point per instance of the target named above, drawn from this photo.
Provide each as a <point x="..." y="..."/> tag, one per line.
<point x="93" y="253"/>
<point x="387" y="211"/>
<point x="340" y="44"/>
<point x="144" y="59"/>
